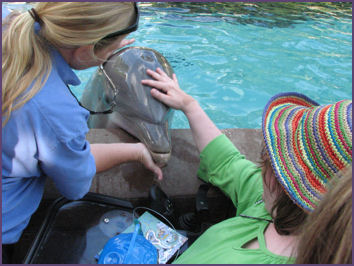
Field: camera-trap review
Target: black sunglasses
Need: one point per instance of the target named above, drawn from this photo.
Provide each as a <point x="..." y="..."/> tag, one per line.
<point x="130" y="29"/>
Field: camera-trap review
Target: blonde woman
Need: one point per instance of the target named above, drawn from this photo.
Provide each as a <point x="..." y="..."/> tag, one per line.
<point x="43" y="126"/>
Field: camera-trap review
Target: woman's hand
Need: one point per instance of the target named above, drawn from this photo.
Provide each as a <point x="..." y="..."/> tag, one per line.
<point x="108" y="155"/>
<point x="125" y="42"/>
<point x="167" y="90"/>
<point x="145" y="158"/>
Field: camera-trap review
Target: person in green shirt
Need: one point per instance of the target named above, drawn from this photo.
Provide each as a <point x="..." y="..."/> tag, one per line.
<point x="305" y="144"/>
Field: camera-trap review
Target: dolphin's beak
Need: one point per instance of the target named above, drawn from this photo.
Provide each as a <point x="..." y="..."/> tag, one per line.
<point x="161" y="159"/>
<point x="156" y="137"/>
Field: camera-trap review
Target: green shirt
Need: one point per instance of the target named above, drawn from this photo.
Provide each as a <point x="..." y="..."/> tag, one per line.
<point x="223" y="166"/>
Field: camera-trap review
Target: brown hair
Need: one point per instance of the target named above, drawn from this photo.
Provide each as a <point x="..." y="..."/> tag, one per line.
<point x="327" y="234"/>
<point x="287" y="216"/>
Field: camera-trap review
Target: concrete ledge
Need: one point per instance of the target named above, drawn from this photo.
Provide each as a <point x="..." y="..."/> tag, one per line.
<point x="132" y="180"/>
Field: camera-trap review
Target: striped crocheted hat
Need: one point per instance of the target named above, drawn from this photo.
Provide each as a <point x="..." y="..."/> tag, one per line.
<point x="307" y="143"/>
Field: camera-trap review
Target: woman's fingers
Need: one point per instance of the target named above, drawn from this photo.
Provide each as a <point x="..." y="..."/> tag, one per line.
<point x="146" y="159"/>
<point x="154" y="84"/>
<point x="161" y="72"/>
<point x="174" y="77"/>
<point x="126" y="42"/>
<point x="154" y="168"/>
<point x="158" y="172"/>
<point x="159" y="96"/>
<point x="160" y="81"/>
<point x="153" y="74"/>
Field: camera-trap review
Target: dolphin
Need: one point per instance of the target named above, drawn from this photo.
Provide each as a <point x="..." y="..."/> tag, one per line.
<point x="116" y="92"/>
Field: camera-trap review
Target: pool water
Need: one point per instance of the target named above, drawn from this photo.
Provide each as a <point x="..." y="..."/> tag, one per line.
<point x="232" y="57"/>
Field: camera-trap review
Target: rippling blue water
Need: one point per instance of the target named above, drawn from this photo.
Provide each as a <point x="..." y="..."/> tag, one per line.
<point x="233" y="61"/>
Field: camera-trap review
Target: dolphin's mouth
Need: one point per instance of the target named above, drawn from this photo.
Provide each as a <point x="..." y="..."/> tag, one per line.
<point x="160" y="159"/>
<point x="155" y="137"/>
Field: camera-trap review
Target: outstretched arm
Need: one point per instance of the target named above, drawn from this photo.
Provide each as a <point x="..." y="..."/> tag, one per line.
<point x="108" y="155"/>
<point x="168" y="91"/>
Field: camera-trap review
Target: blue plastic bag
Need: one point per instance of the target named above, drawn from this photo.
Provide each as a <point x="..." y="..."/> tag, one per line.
<point x="130" y="248"/>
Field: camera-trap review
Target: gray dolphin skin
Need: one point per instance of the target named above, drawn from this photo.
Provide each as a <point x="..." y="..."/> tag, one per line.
<point x="117" y="85"/>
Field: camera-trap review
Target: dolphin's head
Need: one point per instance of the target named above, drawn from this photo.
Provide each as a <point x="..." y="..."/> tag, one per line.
<point x="135" y="110"/>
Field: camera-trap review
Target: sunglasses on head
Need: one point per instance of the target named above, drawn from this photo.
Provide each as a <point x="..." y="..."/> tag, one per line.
<point x="129" y="29"/>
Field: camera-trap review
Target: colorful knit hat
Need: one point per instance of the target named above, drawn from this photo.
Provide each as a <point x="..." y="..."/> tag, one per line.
<point x="307" y="143"/>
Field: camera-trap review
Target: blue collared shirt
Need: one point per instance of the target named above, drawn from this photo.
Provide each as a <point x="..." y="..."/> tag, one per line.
<point x="45" y="137"/>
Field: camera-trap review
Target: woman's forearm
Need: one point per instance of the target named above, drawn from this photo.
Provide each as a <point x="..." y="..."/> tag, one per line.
<point x="203" y="129"/>
<point x="108" y="155"/>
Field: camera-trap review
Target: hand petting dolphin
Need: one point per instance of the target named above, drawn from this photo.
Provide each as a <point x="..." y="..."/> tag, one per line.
<point x="116" y="86"/>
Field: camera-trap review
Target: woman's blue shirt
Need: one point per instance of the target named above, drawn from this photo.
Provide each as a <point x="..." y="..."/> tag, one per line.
<point x="46" y="137"/>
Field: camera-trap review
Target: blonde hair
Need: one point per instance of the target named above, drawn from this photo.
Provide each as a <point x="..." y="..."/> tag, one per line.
<point x="327" y="234"/>
<point x="26" y="54"/>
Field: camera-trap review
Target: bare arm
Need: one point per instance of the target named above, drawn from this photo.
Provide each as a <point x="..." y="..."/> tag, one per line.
<point x="108" y="155"/>
<point x="203" y="129"/>
<point x="168" y="91"/>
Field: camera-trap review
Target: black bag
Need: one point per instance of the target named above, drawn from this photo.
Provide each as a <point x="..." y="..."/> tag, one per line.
<point x="74" y="232"/>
